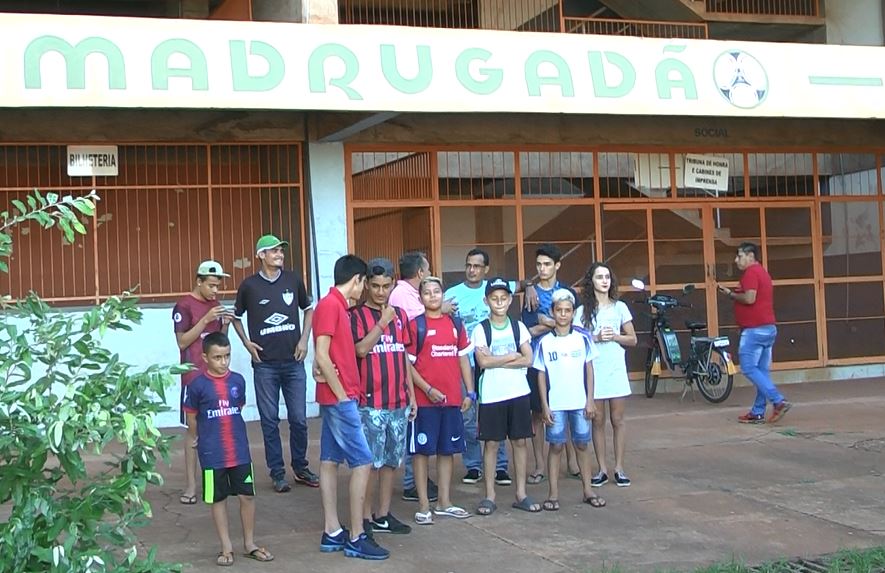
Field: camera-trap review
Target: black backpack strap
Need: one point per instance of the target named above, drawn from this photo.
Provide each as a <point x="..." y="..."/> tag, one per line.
<point x="514" y="326"/>
<point x="420" y="333"/>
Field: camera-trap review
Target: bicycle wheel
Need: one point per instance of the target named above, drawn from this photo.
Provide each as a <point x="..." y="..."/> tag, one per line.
<point x="651" y="380"/>
<point x="715" y="382"/>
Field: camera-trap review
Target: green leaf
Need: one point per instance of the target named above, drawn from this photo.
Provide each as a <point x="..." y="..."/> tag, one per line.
<point x="20" y="206"/>
<point x="85" y="206"/>
<point x="32" y="202"/>
<point x="52" y="198"/>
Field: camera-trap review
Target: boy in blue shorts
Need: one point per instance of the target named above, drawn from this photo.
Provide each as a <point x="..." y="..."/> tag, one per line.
<point x="214" y="404"/>
<point x="338" y="392"/>
<point x="564" y="361"/>
<point x="438" y="348"/>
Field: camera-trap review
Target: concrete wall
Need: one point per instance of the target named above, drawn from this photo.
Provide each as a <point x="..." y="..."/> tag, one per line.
<point x="307" y="11"/>
<point x="855" y="22"/>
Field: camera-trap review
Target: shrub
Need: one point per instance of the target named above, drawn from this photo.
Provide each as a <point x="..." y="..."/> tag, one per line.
<point x="64" y="397"/>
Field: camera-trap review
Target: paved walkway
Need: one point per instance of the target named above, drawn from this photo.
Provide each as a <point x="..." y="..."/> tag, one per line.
<point x="705" y="489"/>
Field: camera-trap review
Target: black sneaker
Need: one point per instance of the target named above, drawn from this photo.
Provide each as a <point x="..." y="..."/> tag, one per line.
<point x="329" y="544"/>
<point x="502" y="478"/>
<point x="365" y="548"/>
<point x="389" y="524"/>
<point x="472" y="476"/>
<point x="599" y="479"/>
<point x="306" y="477"/>
<point x="622" y="480"/>
<point x="281" y="485"/>
<point x="411" y="494"/>
<point x="368" y="529"/>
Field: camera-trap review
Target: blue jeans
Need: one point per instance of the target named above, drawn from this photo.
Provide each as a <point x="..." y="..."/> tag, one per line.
<point x="755" y="356"/>
<point x="342" y="438"/>
<point x="567" y="422"/>
<point x="271" y="378"/>
<point x="472" y="458"/>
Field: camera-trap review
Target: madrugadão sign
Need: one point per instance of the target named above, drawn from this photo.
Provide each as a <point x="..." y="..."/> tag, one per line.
<point x="80" y="61"/>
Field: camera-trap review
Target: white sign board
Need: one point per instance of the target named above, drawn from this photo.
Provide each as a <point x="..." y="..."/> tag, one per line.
<point x="56" y="60"/>
<point x="89" y="160"/>
<point x="706" y="172"/>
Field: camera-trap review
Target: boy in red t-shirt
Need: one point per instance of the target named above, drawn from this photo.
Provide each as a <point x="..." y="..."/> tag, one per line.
<point x="439" y="350"/>
<point x="338" y="392"/>
<point x="196" y="315"/>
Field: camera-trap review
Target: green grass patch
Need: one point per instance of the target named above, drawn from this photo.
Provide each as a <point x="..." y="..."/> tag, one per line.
<point x="846" y="561"/>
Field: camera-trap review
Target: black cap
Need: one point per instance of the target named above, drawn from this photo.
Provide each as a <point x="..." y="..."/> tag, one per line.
<point x="498" y="283"/>
<point x="380" y="267"/>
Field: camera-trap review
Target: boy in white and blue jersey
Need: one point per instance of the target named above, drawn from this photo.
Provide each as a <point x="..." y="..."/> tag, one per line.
<point x="564" y="361"/>
<point x="539" y="322"/>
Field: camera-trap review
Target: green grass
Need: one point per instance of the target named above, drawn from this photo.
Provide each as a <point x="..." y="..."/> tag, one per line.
<point x="846" y="561"/>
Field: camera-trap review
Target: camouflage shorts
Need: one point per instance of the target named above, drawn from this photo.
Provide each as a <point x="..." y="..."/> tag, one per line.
<point x="386" y="433"/>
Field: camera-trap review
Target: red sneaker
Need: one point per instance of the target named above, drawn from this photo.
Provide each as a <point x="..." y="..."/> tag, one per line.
<point x="778" y="411"/>
<point x="751" y="418"/>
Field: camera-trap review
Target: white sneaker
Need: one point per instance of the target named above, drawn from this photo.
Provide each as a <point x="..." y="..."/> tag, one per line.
<point x="424" y="518"/>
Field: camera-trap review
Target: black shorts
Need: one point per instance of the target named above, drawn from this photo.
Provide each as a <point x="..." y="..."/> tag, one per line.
<point x="511" y="419"/>
<point x="535" y="395"/>
<point x="219" y="483"/>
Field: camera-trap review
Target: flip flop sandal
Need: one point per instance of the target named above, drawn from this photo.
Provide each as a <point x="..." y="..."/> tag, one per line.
<point x="188" y="499"/>
<point x="259" y="554"/>
<point x="535" y="479"/>
<point x="551" y="505"/>
<point x="595" y="501"/>
<point x="575" y="475"/>
<point x="527" y="504"/>
<point x="424" y="518"/>
<point x="486" y="507"/>
<point x="452" y="511"/>
<point x="224" y="559"/>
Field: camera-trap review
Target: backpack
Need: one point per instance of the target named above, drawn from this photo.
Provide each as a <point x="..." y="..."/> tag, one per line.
<point x="421" y="330"/>
<point x="487" y="330"/>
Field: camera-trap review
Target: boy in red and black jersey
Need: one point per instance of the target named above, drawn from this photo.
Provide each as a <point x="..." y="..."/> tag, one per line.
<point x="438" y="349"/>
<point x="387" y="403"/>
<point x="214" y="406"/>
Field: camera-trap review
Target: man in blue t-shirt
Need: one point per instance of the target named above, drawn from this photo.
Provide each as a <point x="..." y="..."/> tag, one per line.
<point x="214" y="405"/>
<point x="539" y="322"/>
<point x="469" y="296"/>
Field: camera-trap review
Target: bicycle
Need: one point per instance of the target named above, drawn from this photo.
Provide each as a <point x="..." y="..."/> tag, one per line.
<point x="708" y="364"/>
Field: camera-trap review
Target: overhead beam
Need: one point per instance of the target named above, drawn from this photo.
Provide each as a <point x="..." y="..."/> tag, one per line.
<point x="348" y="131"/>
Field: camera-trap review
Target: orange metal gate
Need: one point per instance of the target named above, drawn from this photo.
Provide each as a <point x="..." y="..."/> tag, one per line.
<point x="818" y="217"/>
<point x="170" y="207"/>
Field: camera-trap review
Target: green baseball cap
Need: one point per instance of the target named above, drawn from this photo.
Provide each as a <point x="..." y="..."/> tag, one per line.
<point x="269" y="242"/>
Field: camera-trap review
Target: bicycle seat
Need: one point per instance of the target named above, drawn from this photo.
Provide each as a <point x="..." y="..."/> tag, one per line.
<point x="694" y="325"/>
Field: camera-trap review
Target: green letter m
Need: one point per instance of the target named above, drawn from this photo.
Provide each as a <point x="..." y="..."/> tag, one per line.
<point x="75" y="61"/>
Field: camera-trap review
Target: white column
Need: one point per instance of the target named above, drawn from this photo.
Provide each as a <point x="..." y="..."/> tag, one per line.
<point x="329" y="239"/>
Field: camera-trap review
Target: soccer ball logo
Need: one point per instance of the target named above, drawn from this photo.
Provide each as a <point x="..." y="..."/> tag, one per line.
<point x="741" y="79"/>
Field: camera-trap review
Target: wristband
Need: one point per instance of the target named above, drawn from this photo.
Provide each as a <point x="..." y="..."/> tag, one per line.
<point x="429" y="390"/>
<point x="472" y="396"/>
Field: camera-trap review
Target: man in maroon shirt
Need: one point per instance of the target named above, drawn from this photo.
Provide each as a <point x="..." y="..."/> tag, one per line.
<point x="754" y="313"/>
<point x="195" y="316"/>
